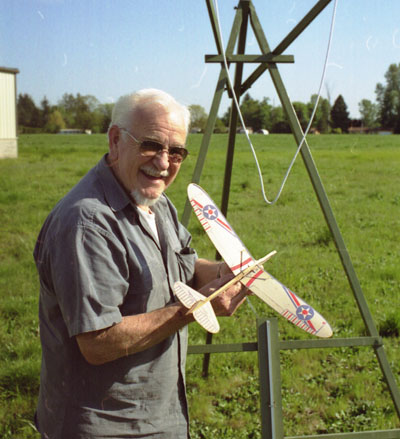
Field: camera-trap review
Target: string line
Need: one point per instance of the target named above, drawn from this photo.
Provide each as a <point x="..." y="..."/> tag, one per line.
<point x="221" y="42"/>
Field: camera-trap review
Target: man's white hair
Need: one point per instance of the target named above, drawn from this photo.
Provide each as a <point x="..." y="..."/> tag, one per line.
<point x="124" y="109"/>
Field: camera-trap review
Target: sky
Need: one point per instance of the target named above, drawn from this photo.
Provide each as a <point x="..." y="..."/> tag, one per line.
<point x="107" y="48"/>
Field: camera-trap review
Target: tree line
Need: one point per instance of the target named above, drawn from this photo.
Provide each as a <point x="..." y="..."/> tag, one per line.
<point x="80" y="112"/>
<point x="87" y="113"/>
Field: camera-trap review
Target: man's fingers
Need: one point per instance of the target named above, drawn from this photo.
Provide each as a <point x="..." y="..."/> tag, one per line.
<point x="240" y="297"/>
<point x="236" y="296"/>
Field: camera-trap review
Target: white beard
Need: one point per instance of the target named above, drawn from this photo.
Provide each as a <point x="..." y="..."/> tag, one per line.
<point x="138" y="197"/>
<point x="142" y="200"/>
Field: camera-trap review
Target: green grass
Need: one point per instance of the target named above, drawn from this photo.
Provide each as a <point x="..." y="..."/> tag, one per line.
<point x="324" y="390"/>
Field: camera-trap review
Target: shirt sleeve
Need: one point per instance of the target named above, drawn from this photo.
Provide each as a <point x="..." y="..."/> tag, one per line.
<point x="89" y="275"/>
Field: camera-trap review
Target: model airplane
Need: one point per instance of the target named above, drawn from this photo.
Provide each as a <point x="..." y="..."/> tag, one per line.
<point x="247" y="270"/>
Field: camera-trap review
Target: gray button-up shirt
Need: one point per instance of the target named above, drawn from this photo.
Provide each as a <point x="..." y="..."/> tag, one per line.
<point x="97" y="262"/>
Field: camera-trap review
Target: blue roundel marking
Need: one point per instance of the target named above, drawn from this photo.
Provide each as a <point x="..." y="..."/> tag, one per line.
<point x="210" y="212"/>
<point x="305" y="312"/>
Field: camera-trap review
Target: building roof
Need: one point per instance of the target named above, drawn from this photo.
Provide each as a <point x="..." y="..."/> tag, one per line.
<point x="9" y="70"/>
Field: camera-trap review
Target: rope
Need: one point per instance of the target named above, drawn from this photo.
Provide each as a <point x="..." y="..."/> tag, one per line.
<point x="241" y="116"/>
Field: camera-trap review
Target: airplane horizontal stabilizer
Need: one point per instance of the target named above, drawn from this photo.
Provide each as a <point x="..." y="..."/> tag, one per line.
<point x="205" y="314"/>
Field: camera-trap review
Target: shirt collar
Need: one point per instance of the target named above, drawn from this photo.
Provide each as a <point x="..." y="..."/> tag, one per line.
<point x="114" y="193"/>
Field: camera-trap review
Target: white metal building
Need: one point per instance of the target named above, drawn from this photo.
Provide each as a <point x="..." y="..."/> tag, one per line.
<point x="8" y="113"/>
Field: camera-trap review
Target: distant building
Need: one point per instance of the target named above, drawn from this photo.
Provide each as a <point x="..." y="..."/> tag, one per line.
<point x="249" y="130"/>
<point x="357" y="127"/>
<point x="74" y="131"/>
<point x="8" y="113"/>
<point x="195" y="130"/>
<point x="359" y="130"/>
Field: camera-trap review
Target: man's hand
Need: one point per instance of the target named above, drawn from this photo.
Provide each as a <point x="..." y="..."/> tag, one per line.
<point x="226" y="303"/>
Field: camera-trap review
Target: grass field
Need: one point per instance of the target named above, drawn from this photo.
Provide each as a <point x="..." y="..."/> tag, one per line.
<point x="324" y="390"/>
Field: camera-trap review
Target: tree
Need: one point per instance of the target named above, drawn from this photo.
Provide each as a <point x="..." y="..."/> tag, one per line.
<point x="45" y="111"/>
<point x="250" y="109"/>
<point x="340" y="115"/>
<point x="105" y="111"/>
<point x="84" y="111"/>
<point x="302" y="113"/>
<point x="55" y="122"/>
<point x="220" y="127"/>
<point x="78" y="111"/>
<point x="279" y="121"/>
<point x="226" y="117"/>
<point x="28" y="113"/>
<point x="67" y="108"/>
<point x="256" y="114"/>
<point x="321" y="120"/>
<point x="369" y="113"/>
<point x="388" y="97"/>
<point x="198" y="116"/>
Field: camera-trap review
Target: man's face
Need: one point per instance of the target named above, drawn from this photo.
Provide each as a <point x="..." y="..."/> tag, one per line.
<point x="147" y="177"/>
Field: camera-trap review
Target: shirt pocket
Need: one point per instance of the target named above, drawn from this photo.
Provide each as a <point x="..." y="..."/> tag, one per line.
<point x="186" y="258"/>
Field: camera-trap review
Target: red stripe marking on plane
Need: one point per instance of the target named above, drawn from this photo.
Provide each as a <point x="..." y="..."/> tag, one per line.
<point x="311" y="325"/>
<point x="294" y="297"/>
<point x="193" y="201"/>
<point x="242" y="264"/>
<point x="306" y="326"/>
<point x="224" y="224"/>
<point x="258" y="274"/>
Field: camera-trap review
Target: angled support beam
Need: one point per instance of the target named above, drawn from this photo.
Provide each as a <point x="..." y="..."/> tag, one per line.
<point x="287" y="41"/>
<point x="234" y="112"/>
<point x="301" y="26"/>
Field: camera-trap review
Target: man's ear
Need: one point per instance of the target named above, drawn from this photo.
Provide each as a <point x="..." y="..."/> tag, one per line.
<point x="114" y="135"/>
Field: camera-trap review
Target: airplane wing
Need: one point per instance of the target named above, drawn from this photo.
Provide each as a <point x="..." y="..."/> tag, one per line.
<point x="260" y="282"/>
<point x="224" y="238"/>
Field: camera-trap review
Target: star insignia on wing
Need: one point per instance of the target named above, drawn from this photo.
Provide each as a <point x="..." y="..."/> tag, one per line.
<point x="304" y="312"/>
<point x="210" y="212"/>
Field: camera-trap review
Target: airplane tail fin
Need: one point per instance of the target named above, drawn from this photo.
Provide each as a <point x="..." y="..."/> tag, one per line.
<point x="205" y="314"/>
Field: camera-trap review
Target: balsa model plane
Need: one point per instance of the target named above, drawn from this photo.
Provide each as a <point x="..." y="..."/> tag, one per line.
<point x="247" y="270"/>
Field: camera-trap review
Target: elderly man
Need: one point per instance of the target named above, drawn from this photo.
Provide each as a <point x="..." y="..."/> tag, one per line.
<point x="114" y="337"/>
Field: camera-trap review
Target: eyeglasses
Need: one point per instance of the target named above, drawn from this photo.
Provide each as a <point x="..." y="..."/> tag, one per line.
<point x="150" y="148"/>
